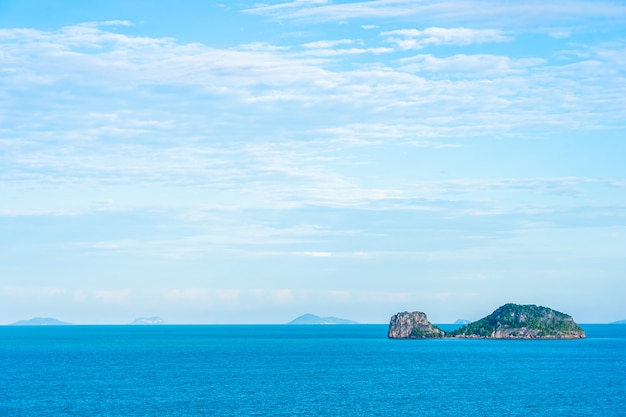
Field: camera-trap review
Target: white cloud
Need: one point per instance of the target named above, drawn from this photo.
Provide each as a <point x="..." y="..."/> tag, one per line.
<point x="407" y="39"/>
<point x="347" y="51"/>
<point x="290" y="4"/>
<point x="142" y="60"/>
<point x="262" y="46"/>
<point x="528" y="13"/>
<point x="317" y="254"/>
<point x="473" y="66"/>
<point x="220" y="171"/>
<point x="329" y="44"/>
<point x="265" y="128"/>
<point x="269" y="76"/>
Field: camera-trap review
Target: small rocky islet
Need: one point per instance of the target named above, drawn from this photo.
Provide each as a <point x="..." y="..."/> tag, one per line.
<point x="510" y="321"/>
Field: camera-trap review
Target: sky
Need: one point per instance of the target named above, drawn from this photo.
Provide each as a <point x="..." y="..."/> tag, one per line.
<point x="239" y="162"/>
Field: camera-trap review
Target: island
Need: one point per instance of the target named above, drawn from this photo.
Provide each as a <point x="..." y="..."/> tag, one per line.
<point x="619" y="322"/>
<point x="510" y="321"/>
<point x="40" y="321"/>
<point x="313" y="319"/>
<point x="413" y="325"/>
<point x="149" y="320"/>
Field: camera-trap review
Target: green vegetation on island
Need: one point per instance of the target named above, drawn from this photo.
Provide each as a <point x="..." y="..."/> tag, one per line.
<point x="511" y="321"/>
<point x="514" y="321"/>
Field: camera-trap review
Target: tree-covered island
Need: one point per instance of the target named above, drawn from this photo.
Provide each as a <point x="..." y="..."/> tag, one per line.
<point x="511" y="321"/>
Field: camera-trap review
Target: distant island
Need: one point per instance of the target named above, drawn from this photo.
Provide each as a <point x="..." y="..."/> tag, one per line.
<point x="619" y="322"/>
<point x="149" y="320"/>
<point x="313" y="319"/>
<point x="40" y="321"/>
<point x="462" y="321"/>
<point x="510" y="321"/>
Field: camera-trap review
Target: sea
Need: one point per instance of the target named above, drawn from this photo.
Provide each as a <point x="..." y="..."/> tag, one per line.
<point x="287" y="370"/>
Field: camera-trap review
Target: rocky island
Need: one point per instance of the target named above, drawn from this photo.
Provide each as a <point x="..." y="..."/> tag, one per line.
<point x="413" y="325"/>
<point x="511" y="321"/>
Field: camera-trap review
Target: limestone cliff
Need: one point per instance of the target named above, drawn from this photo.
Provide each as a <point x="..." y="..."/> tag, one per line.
<point x="413" y="325"/>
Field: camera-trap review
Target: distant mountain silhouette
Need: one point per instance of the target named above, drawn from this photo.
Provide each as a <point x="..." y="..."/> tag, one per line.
<point x="619" y="322"/>
<point x="149" y="320"/>
<point x="40" y="321"/>
<point x="313" y="319"/>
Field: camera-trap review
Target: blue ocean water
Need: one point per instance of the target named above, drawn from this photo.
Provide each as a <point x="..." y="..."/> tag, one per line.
<point x="304" y="371"/>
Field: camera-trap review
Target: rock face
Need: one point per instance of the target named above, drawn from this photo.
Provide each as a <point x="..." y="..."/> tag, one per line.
<point x="514" y="321"/>
<point x="413" y="325"/>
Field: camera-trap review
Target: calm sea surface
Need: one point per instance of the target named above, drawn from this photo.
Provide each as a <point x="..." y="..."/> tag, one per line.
<point x="304" y="370"/>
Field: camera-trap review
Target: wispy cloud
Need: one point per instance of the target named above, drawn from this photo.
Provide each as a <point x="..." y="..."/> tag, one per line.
<point x="418" y="39"/>
<point x="329" y="43"/>
<point x="113" y="23"/>
<point x="329" y="48"/>
<point x="317" y="254"/>
<point x="473" y="66"/>
<point x="286" y="167"/>
<point x="459" y="11"/>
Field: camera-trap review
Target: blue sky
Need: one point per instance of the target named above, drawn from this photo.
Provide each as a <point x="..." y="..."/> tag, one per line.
<point x="247" y="163"/>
